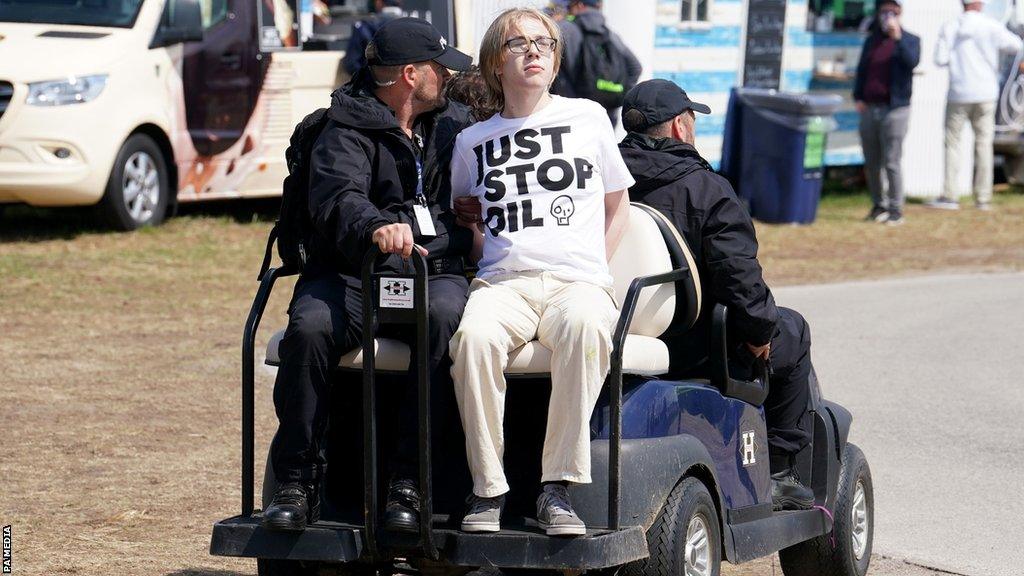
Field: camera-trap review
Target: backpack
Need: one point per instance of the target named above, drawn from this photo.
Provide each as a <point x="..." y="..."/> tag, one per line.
<point x="601" y="74"/>
<point x="293" y="227"/>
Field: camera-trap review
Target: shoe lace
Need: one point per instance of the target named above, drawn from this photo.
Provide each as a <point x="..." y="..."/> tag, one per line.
<point x="478" y="504"/>
<point x="291" y="493"/>
<point x="556" y="497"/>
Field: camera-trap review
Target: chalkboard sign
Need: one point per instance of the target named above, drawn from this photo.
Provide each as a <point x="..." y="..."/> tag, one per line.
<point x="766" y="32"/>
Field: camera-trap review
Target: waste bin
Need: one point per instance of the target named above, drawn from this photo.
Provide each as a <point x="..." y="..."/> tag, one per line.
<point x="778" y="162"/>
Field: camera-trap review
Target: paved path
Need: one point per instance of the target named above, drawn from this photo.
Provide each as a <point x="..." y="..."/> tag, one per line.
<point x="933" y="370"/>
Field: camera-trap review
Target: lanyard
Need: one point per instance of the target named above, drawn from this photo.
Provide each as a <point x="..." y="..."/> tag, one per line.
<point x="421" y="198"/>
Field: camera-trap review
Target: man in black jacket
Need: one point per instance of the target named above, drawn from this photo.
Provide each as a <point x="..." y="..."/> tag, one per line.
<point x="672" y="177"/>
<point x="378" y="174"/>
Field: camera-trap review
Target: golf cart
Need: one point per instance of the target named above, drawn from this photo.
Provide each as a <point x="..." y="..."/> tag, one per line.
<point x="681" y="468"/>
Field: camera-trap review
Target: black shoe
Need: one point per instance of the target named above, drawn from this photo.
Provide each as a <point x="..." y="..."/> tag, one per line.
<point x="877" y="214"/>
<point x="789" y="494"/>
<point x="295" y="505"/>
<point x="402" y="513"/>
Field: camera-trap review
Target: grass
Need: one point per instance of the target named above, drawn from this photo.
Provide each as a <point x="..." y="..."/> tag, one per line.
<point x="119" y="356"/>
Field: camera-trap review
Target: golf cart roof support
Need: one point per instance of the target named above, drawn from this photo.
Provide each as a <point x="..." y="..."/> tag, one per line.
<point x="374" y="313"/>
<point x="259" y="304"/>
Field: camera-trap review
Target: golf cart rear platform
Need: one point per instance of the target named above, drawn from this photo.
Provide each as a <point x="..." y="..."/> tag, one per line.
<point x="523" y="546"/>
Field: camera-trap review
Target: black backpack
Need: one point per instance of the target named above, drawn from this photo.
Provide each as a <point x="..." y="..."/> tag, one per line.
<point x="601" y="74"/>
<point x="293" y="227"/>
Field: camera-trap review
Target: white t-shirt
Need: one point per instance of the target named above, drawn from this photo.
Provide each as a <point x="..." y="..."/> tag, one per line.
<point x="541" y="181"/>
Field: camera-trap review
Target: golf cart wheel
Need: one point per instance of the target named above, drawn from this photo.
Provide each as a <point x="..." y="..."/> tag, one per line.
<point x="853" y="530"/>
<point x="138" y="192"/>
<point x="685" y="539"/>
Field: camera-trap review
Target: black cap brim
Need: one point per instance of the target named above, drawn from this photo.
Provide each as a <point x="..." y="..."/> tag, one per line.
<point x="697" y="107"/>
<point x="452" y="59"/>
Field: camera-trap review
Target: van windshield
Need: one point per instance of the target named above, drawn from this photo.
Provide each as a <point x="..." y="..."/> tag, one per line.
<point x="116" y="13"/>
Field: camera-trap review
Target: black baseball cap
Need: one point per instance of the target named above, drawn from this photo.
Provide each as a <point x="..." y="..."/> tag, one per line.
<point x="409" y="40"/>
<point x="659" y="101"/>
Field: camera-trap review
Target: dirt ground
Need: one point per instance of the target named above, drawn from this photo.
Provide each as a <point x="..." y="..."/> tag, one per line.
<point x="119" y="367"/>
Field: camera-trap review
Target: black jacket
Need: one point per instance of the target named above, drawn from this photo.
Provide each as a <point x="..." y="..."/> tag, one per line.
<point x="673" y="178"/>
<point x="904" y="59"/>
<point x="363" y="176"/>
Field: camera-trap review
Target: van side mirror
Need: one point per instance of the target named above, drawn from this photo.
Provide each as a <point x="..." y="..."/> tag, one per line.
<point x="182" y="21"/>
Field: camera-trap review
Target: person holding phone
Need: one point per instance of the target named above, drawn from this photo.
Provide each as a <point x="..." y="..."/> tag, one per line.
<point x="882" y="90"/>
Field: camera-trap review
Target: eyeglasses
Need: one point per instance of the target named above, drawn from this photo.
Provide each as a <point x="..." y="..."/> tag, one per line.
<point x="521" y="45"/>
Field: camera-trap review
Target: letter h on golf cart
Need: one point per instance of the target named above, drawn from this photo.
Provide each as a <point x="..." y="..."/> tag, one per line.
<point x="681" y="468"/>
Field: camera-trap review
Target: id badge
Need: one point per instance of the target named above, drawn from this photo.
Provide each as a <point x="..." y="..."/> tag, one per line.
<point x="423" y="220"/>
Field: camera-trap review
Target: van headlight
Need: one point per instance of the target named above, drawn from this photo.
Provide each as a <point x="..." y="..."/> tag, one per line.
<point x="73" y="90"/>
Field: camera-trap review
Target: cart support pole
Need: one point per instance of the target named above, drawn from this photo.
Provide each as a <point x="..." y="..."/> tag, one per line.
<point x="248" y="383"/>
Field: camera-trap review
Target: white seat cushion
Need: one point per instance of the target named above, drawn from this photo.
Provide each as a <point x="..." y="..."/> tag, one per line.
<point x="643" y="356"/>
<point x="642" y="252"/>
<point x="391" y="355"/>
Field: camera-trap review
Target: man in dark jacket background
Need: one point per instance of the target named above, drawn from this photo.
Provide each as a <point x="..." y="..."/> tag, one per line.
<point x="363" y="31"/>
<point x="672" y="177"/>
<point x="882" y="90"/>
<point x="584" y="16"/>
<point x="382" y="155"/>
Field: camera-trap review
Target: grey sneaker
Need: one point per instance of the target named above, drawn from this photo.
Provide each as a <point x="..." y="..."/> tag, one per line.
<point x="484" y="514"/>
<point x="983" y="206"/>
<point x="555" y="514"/>
<point x="943" y="204"/>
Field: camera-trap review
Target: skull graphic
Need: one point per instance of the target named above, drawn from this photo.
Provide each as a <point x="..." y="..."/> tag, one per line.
<point x="562" y="209"/>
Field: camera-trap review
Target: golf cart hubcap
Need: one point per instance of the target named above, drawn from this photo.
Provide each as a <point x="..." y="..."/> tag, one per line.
<point x="698" y="549"/>
<point x="859" y="521"/>
<point x="141" y="186"/>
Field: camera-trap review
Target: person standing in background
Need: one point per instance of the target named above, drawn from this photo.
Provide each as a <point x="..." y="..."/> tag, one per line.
<point x="363" y="31"/>
<point x="971" y="46"/>
<point x="586" y="23"/>
<point x="882" y="91"/>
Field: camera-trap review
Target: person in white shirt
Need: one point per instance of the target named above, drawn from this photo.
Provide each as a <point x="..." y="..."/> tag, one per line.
<point x="972" y="46"/>
<point x="551" y="184"/>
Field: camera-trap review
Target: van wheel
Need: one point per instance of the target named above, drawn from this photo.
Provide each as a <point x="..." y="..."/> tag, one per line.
<point x="685" y="538"/>
<point x="138" y="191"/>
<point x="853" y="530"/>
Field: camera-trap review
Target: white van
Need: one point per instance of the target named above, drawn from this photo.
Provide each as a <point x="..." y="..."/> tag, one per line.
<point x="138" y="104"/>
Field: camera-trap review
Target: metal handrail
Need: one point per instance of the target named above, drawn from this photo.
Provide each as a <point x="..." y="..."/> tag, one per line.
<point x="615" y="382"/>
<point x="370" y="310"/>
<point x="252" y="323"/>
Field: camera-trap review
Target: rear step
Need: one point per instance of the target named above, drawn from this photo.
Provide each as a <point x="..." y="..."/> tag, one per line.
<point x="517" y="547"/>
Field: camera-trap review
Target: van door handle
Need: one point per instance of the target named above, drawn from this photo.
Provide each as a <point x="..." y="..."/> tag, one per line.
<point x="231" y="61"/>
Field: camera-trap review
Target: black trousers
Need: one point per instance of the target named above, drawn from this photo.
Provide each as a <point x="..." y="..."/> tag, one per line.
<point x="789" y="387"/>
<point x="324" y="323"/>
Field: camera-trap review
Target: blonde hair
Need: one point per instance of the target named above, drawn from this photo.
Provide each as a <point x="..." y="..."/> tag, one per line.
<point x="493" y="52"/>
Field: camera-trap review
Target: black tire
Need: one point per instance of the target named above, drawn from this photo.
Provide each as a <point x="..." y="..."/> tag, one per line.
<point x="666" y="538"/>
<point x="139" y="155"/>
<point x="817" y="557"/>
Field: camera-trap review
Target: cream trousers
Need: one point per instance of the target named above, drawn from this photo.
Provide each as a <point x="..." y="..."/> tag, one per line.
<point x="572" y="319"/>
<point x="982" y="118"/>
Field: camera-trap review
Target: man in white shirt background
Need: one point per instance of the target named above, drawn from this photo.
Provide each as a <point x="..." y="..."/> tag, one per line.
<point x="972" y="46"/>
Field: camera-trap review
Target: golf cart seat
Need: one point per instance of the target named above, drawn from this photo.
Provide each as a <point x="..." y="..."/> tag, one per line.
<point x="651" y="245"/>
